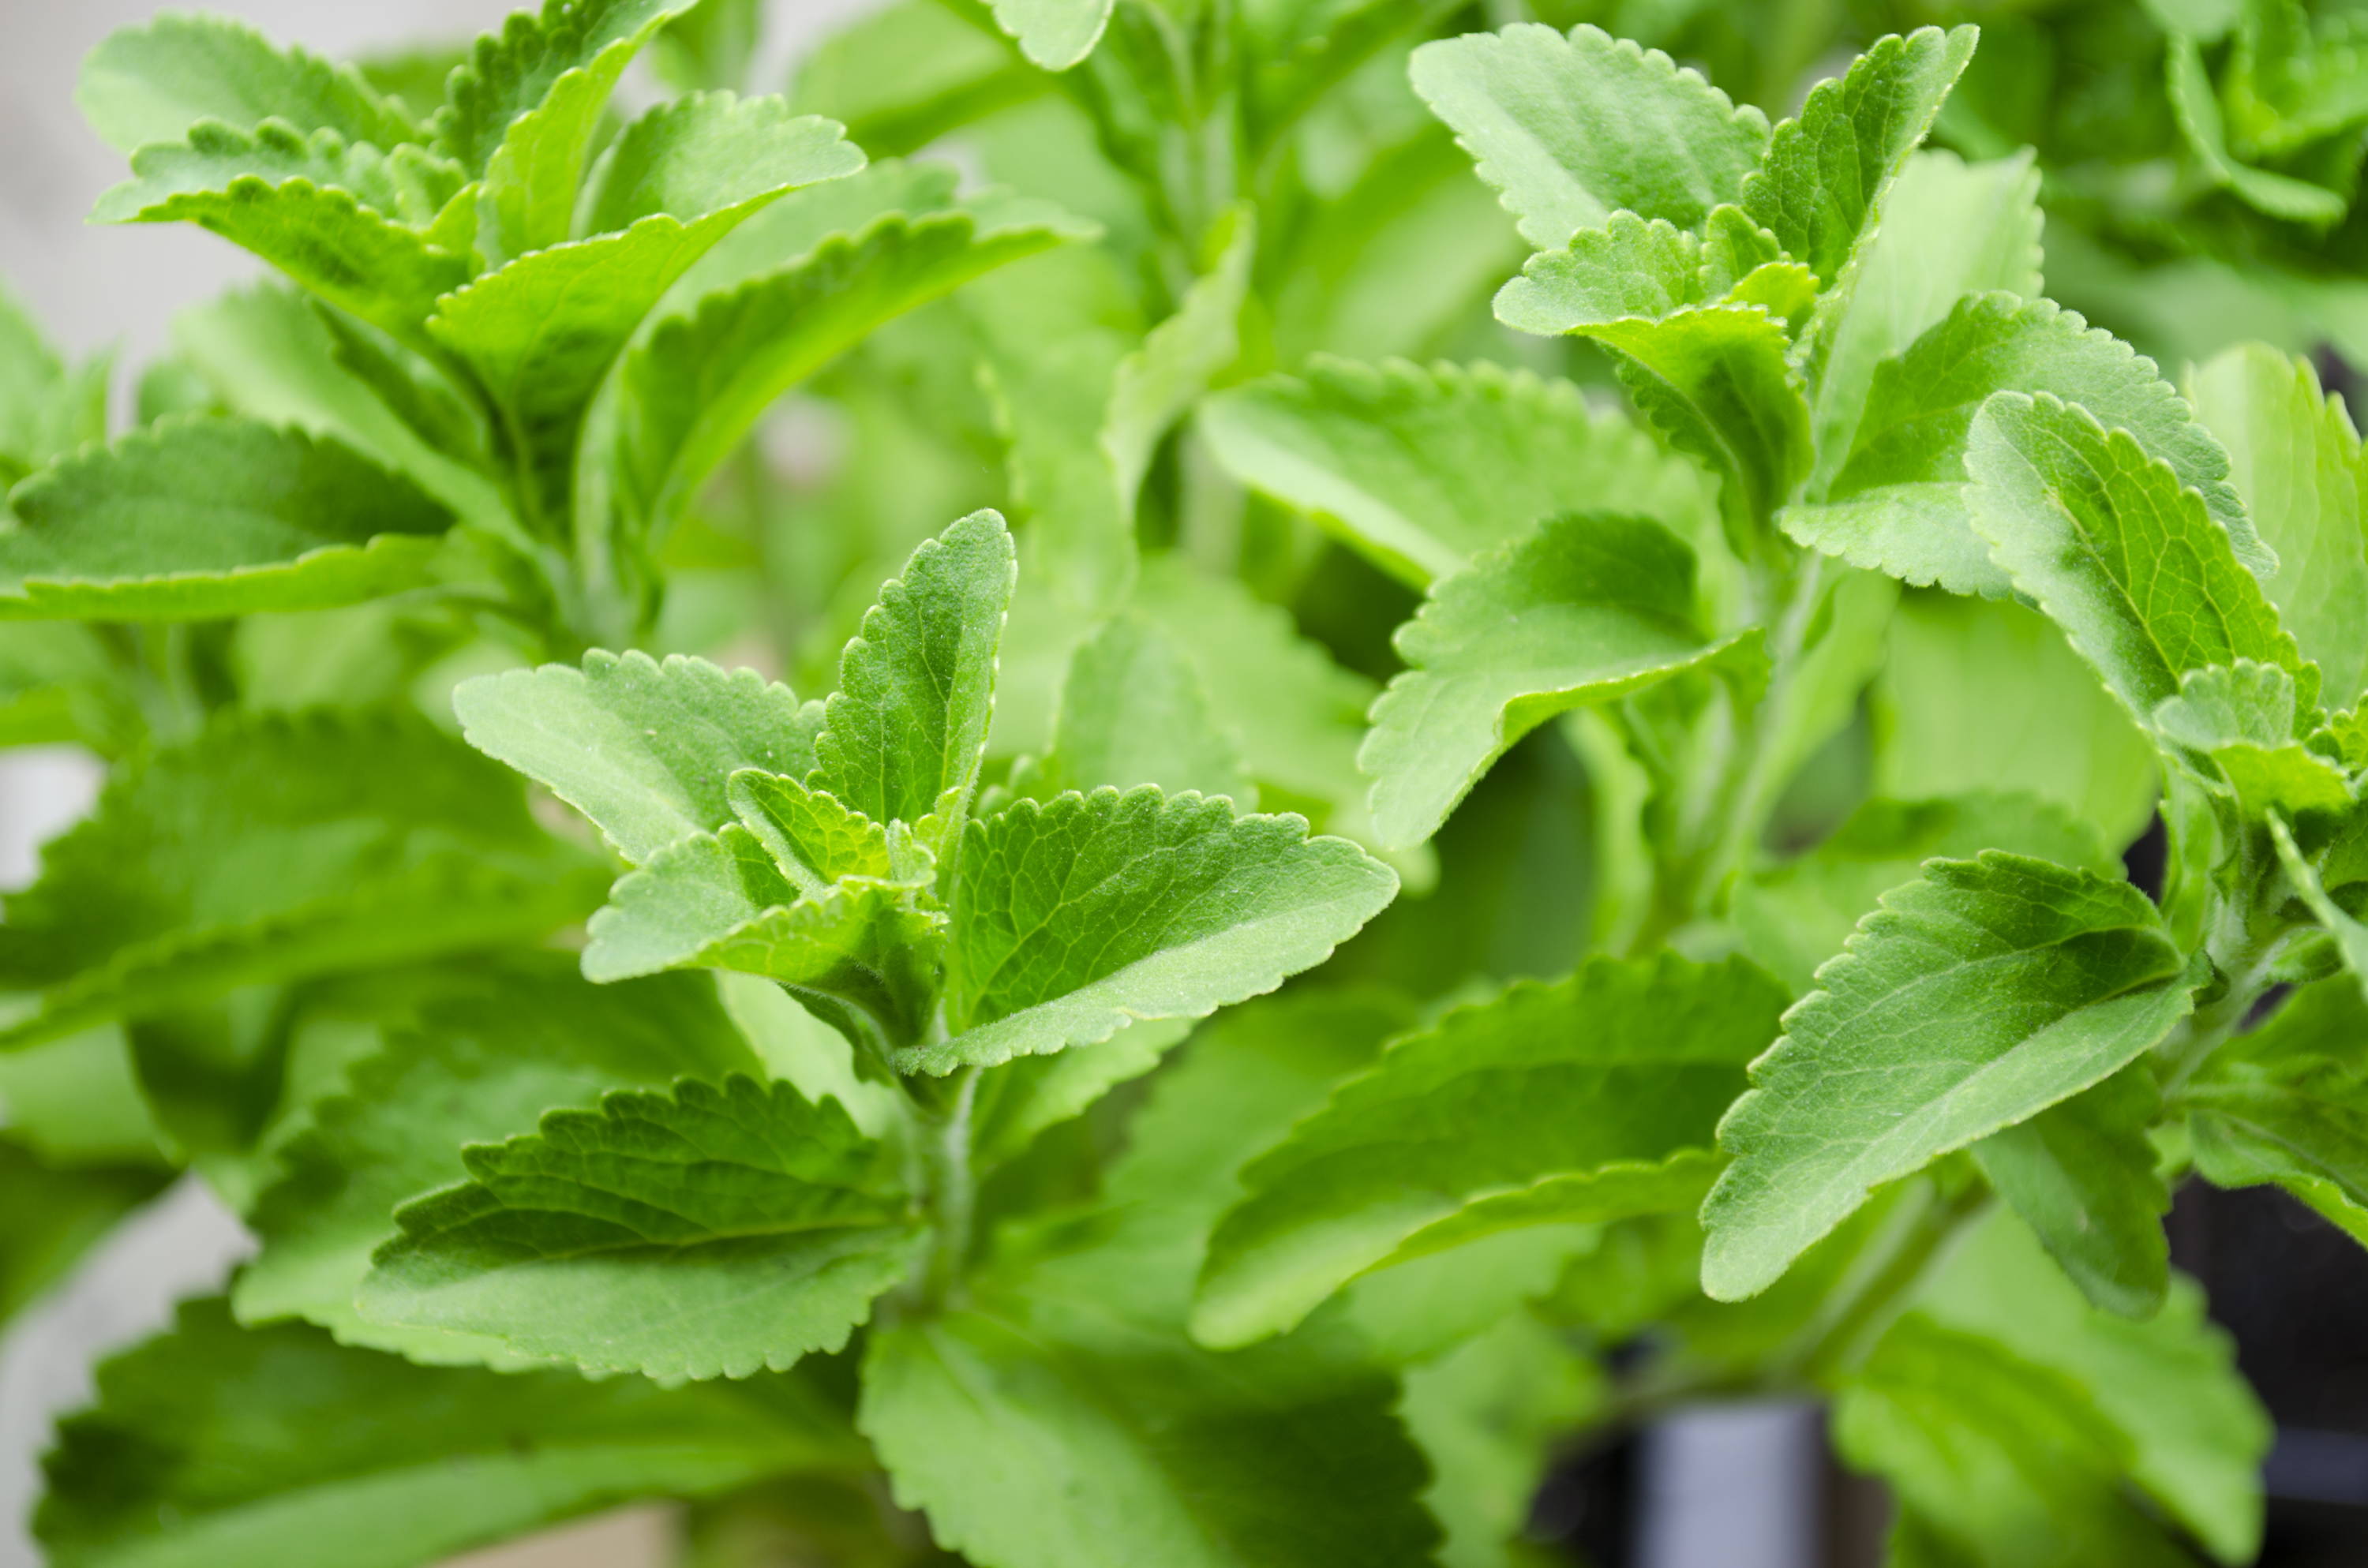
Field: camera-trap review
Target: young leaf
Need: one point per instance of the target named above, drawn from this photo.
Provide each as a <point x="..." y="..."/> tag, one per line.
<point x="691" y="392"/>
<point x="203" y="517"/>
<point x="2082" y="1174"/>
<point x="1589" y="608"/>
<point x="2127" y="560"/>
<point x="1421" y="470"/>
<point x="1387" y="1171"/>
<point x="641" y="749"/>
<point x="270" y="848"/>
<point x="514" y="72"/>
<point x="904" y="737"/>
<point x="1975" y="998"/>
<point x="1821" y="185"/>
<point x="152" y="81"/>
<point x="2197" y="108"/>
<point x="2289" y="1104"/>
<point x="707" y="152"/>
<point x="1795" y="916"/>
<point x="1572" y="130"/>
<point x="1077" y="917"/>
<point x="211" y="1443"/>
<point x="409" y="188"/>
<point x="473" y="1067"/>
<point x="1054" y="34"/>
<point x="1899" y="505"/>
<point x="709" y="1231"/>
<point x="2247" y="721"/>
<point x="2295" y="460"/>
<point x="1132" y="712"/>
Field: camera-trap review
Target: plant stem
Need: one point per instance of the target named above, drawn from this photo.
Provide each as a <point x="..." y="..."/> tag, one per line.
<point x="1850" y="1326"/>
<point x="952" y="1188"/>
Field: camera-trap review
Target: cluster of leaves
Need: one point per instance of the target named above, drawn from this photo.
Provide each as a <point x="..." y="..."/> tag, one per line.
<point x="1751" y="664"/>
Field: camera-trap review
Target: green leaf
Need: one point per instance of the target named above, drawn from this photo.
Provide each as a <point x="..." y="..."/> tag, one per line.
<point x="1899" y="503"/>
<point x="2197" y="108"/>
<point x="1821" y="186"/>
<point x="710" y="45"/>
<point x="288" y="204"/>
<point x="1795" y="916"/>
<point x="2350" y="935"/>
<point x="473" y="1066"/>
<point x="904" y="737"/>
<point x="46" y="410"/>
<point x="59" y="683"/>
<point x="1572" y="130"/>
<point x="2124" y="558"/>
<point x="709" y="1231"/>
<point x="2289" y="1104"/>
<point x="152" y="81"/>
<point x="2247" y="721"/>
<point x="268" y="848"/>
<point x="693" y="389"/>
<point x="1024" y="1096"/>
<point x="537" y="57"/>
<point x="1589" y="607"/>
<point x="1421" y="470"/>
<point x="1154" y="386"/>
<point x="2295" y="460"/>
<point x="1975" y="998"/>
<point x="904" y="76"/>
<point x="2195" y="1435"/>
<point x="707" y="152"/>
<point x="1132" y="712"/>
<point x="1079" y="916"/>
<point x="211" y="1444"/>
<point x="1985" y="690"/>
<point x="1054" y="34"/>
<point x="1995" y="1460"/>
<point x="1949" y="229"/>
<point x="641" y="749"/>
<point x="2082" y="1175"/>
<point x="50" y="1215"/>
<point x="1389" y="1172"/>
<point x="205" y="516"/>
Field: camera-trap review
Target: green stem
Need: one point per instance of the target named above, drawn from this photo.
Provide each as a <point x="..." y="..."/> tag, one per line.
<point x="1848" y="1327"/>
<point x="1751" y="794"/>
<point x="952" y="1186"/>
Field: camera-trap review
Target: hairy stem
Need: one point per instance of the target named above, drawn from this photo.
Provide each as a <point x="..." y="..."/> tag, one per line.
<point x="952" y="1186"/>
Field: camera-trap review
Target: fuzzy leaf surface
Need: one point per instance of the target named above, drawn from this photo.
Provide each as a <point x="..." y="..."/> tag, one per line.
<point x="1082" y="915"/>
<point x="1423" y="468"/>
<point x="1587" y="609"/>
<point x="209" y="516"/>
<point x="152" y="81"/>
<point x="642" y="748"/>
<point x="512" y="72"/>
<point x="211" y="1443"/>
<point x="708" y="1231"/>
<point x="1975" y="998"/>
<point x="1601" y="1096"/>
<point x="1571" y="130"/>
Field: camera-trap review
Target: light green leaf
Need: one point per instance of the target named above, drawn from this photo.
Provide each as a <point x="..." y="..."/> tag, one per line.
<point x="904" y="76"/>
<point x="1820" y="190"/>
<point x="1795" y="916"/>
<point x="711" y="1231"/>
<point x="1998" y="1462"/>
<point x="2197" y="108"/>
<point x="2350" y="936"/>
<point x="50" y="1215"/>
<point x="1572" y="130"/>
<point x="1949" y="229"/>
<point x="2249" y="721"/>
<point x="152" y="81"/>
<point x="2124" y="558"/>
<point x="2194" y="1432"/>
<point x="206" y="517"/>
<point x="1899" y="503"/>
<point x="1985" y="693"/>
<point x="1029" y="1094"/>
<point x="273" y="1447"/>
<point x="2082" y="1174"/>
<point x="410" y="187"/>
<point x="641" y="749"/>
<point x="58" y="682"/>
<point x="558" y="85"/>
<point x="1421" y="470"/>
<point x="46" y="410"/>
<point x="472" y="1067"/>
<point x="1587" y="609"/>
<point x="709" y="152"/>
<point x="904" y="737"/>
<point x="1055" y="34"/>
<point x="1389" y="1172"/>
<point x="1132" y="712"/>
<point x="2289" y="1104"/>
<point x="691" y="392"/>
<point x="1080" y="916"/>
<point x="2295" y="460"/>
<point x="1181" y="356"/>
<point x="270" y="848"/>
<point x="1975" y="998"/>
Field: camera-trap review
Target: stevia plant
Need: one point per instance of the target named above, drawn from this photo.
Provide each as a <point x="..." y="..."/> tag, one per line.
<point x="1799" y="613"/>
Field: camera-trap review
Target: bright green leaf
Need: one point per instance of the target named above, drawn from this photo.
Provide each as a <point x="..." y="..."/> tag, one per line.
<point x="513" y="71"/>
<point x="2082" y="1174"/>
<point x="50" y="1215"/>
<point x="2197" y="108"/>
<point x="1181" y="356"/>
<point x="2289" y="1104"/>
<point x="152" y="81"/>
<point x="1975" y="998"/>
<point x="2249" y="721"/>
<point x="1132" y="712"/>
<point x="1055" y="34"/>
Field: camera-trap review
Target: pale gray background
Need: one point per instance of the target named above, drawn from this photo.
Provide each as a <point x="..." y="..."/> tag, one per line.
<point x="1723" y="1490"/>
